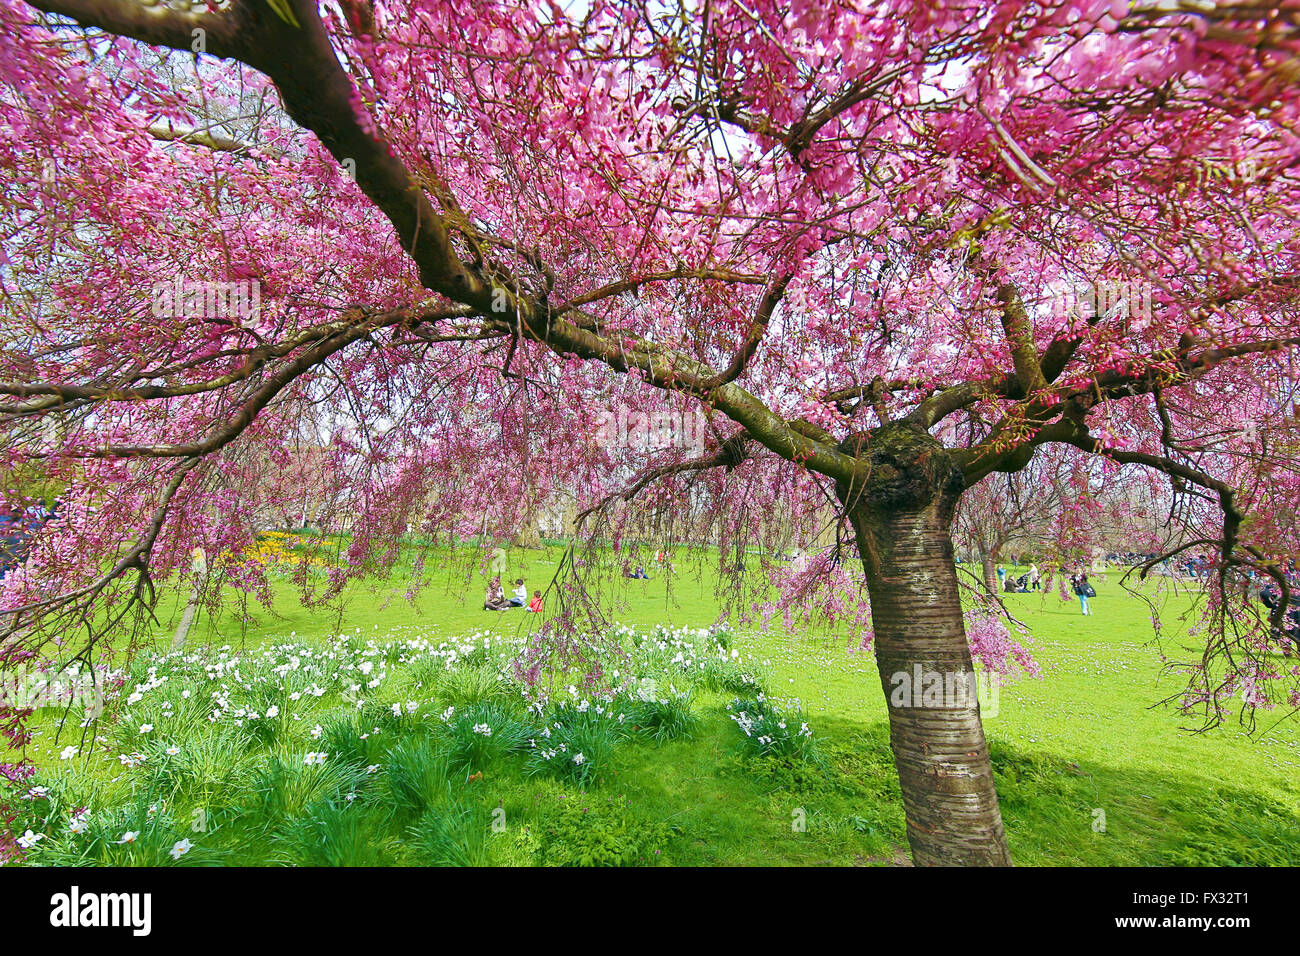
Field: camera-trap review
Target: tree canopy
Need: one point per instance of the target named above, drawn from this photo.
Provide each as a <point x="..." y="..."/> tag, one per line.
<point x="885" y="249"/>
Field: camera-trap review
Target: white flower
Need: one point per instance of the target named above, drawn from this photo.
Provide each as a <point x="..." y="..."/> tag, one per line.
<point x="172" y="751"/>
<point x="314" y="758"/>
<point x="373" y="768"/>
<point x="579" y="759"/>
<point x="181" y="848"/>
<point x="317" y="731"/>
<point x="483" y="729"/>
<point x="412" y="706"/>
<point x="68" y="753"/>
<point x="77" y="825"/>
<point x="273" y="711"/>
<point x="397" y="710"/>
<point x="129" y="836"/>
<point x="146" y="728"/>
<point x="30" y="839"/>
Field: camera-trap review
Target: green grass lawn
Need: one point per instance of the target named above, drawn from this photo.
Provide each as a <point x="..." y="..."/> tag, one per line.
<point x="1088" y="771"/>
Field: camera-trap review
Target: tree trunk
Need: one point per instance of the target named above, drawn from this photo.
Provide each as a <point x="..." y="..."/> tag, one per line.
<point x="902" y="520"/>
<point x="529" y="535"/>
<point x="990" y="572"/>
<point x="187" y="619"/>
<point x="199" y="568"/>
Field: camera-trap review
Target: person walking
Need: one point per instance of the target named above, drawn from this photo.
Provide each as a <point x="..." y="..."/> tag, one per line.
<point x="1035" y="578"/>
<point x="1002" y="578"/>
<point x="1084" y="590"/>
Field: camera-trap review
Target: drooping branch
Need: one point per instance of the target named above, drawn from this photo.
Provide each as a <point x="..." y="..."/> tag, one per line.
<point x="318" y="95"/>
<point x="729" y="454"/>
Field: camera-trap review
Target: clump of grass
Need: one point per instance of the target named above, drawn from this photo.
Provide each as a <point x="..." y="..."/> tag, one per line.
<point x="418" y="776"/>
<point x="468" y="686"/>
<point x="770" y="732"/>
<point x="142" y="832"/>
<point x="198" y="769"/>
<point x="451" y="835"/>
<point x="288" y="785"/>
<point x="337" y="833"/>
<point x="726" y="676"/>
<point x="662" y="720"/>
<point x="343" y="739"/>
<point x="588" y="832"/>
<point x="481" y="736"/>
<point x="576" y="746"/>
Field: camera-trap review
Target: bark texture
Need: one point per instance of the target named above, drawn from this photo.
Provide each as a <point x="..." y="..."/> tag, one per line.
<point x="902" y="517"/>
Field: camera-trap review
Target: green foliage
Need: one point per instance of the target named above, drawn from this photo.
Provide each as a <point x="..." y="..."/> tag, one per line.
<point x="137" y="833"/>
<point x="576" y="746"/>
<point x="337" y="833"/>
<point x="288" y="785"/>
<point x="771" y="732"/>
<point x="450" y="835"/>
<point x="588" y="832"/>
<point x="473" y="685"/>
<point x="662" y="720"/>
<point x="417" y="776"/>
<point x="725" y="676"/>
<point x="1080" y="741"/>
<point x="481" y="736"/>
<point x="344" y="740"/>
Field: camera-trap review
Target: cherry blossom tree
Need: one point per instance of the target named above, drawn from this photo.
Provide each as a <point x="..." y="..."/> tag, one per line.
<point x="887" y="250"/>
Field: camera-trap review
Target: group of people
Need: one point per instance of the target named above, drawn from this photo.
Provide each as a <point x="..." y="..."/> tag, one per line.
<point x="495" y="598"/>
<point x="1271" y="597"/>
<point x="16" y="531"/>
<point x="1031" y="580"/>
<point x="663" y="561"/>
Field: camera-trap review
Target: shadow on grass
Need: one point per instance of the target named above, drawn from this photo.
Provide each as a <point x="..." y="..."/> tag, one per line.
<point x="734" y="810"/>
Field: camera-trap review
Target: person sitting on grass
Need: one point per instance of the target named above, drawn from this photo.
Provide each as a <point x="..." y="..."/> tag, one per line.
<point x="535" y="605"/>
<point x="639" y="573"/>
<point x="520" y="597"/>
<point x="495" y="599"/>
